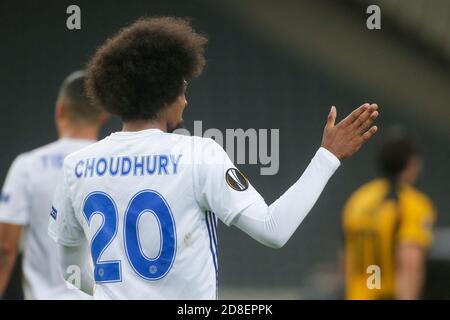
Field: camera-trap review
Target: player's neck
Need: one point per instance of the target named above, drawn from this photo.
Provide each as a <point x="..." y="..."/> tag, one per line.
<point x="139" y="125"/>
<point x="82" y="133"/>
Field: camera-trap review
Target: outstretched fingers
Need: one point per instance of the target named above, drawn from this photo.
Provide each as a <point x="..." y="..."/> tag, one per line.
<point x="367" y="121"/>
<point x="352" y="117"/>
<point x="364" y="116"/>
<point x="369" y="133"/>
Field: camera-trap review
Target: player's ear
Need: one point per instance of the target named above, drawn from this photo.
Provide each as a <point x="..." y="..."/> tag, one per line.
<point x="104" y="116"/>
<point x="59" y="111"/>
<point x="182" y="101"/>
<point x="178" y="106"/>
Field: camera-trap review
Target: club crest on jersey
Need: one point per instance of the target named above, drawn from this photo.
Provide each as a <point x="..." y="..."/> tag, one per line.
<point x="236" y="180"/>
<point x="53" y="213"/>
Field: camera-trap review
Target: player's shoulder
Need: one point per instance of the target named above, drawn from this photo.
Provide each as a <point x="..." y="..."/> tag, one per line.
<point x="377" y="184"/>
<point x="415" y="193"/>
<point x="199" y="146"/>
<point x="206" y="143"/>
<point x="364" y="197"/>
<point x="85" y="151"/>
<point x="197" y="140"/>
<point x="22" y="158"/>
<point x="373" y="188"/>
<point x="26" y="158"/>
<point x="184" y="139"/>
<point x="20" y="164"/>
<point x="36" y="152"/>
<point x="190" y="146"/>
<point x="416" y="198"/>
<point x="208" y="151"/>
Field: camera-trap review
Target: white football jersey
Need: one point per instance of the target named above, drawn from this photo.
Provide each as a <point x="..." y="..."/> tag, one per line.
<point x="26" y="197"/>
<point x="148" y="203"/>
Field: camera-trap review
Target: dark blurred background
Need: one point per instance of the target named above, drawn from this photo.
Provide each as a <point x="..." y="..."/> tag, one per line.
<point x="271" y="64"/>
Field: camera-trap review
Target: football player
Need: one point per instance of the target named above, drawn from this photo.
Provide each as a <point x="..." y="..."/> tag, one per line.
<point x="144" y="202"/>
<point x="28" y="193"/>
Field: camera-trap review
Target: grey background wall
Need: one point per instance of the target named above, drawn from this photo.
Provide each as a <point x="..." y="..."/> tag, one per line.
<point x="251" y="81"/>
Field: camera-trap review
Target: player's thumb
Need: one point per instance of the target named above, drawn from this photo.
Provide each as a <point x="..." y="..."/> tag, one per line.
<point x="331" y="117"/>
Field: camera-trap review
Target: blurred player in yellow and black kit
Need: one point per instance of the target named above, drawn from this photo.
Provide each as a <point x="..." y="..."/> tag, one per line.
<point x="388" y="223"/>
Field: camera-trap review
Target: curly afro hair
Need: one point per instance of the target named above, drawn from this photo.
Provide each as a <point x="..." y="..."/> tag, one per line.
<point x="142" y="69"/>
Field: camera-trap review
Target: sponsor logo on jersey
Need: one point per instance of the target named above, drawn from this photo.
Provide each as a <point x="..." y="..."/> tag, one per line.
<point x="236" y="180"/>
<point x="53" y="213"/>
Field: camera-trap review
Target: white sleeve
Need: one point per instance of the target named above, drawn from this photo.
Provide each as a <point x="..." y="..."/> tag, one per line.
<point x="63" y="226"/>
<point x="220" y="187"/>
<point x="274" y="225"/>
<point x="14" y="198"/>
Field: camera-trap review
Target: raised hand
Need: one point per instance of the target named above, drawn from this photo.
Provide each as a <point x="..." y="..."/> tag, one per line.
<point x="346" y="137"/>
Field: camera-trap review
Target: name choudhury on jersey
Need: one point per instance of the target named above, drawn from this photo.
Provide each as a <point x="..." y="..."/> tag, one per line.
<point x="159" y="164"/>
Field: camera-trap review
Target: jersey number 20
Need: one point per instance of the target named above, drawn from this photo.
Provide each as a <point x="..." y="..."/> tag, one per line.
<point x="144" y="202"/>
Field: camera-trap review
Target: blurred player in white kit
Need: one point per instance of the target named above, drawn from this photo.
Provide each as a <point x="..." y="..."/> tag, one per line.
<point x="142" y="204"/>
<point x="28" y="191"/>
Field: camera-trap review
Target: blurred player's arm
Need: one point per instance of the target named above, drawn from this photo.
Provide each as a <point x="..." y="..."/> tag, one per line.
<point x="9" y="243"/>
<point x="77" y="256"/>
<point x="410" y="271"/>
<point x="67" y="232"/>
<point x="415" y="236"/>
<point x="14" y="214"/>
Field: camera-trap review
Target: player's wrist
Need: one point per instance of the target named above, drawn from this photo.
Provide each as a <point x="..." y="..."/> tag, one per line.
<point x="332" y="151"/>
<point x="330" y="157"/>
<point x="330" y="144"/>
